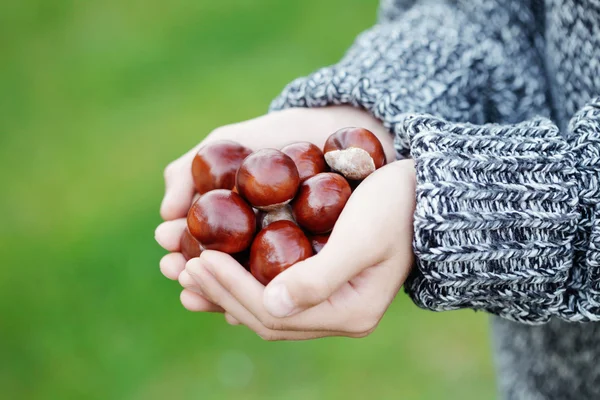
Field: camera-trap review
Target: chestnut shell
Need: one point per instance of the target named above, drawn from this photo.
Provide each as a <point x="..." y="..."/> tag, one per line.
<point x="320" y="201"/>
<point x="221" y="220"/>
<point x="308" y="159"/>
<point x="216" y="164"/>
<point x="276" y="248"/>
<point x="267" y="179"/>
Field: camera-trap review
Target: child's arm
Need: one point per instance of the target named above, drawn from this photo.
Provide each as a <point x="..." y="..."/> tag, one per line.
<point x="343" y="290"/>
<point x="500" y="210"/>
<point x="505" y="221"/>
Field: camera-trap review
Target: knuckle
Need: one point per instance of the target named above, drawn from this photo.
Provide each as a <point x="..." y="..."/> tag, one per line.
<point x="219" y="133"/>
<point x="170" y="170"/>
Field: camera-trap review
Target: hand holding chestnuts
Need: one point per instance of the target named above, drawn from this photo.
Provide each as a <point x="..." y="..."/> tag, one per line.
<point x="299" y="201"/>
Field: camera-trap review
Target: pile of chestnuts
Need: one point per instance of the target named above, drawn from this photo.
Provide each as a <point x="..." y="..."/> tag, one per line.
<point x="272" y="208"/>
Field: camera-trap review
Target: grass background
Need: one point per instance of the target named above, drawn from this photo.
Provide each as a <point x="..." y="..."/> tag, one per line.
<point x="96" y="97"/>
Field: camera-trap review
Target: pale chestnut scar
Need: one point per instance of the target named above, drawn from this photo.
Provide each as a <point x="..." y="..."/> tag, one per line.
<point x="353" y="163"/>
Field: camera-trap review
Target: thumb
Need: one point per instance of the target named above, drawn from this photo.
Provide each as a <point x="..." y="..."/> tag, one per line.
<point x="376" y="218"/>
<point x="312" y="281"/>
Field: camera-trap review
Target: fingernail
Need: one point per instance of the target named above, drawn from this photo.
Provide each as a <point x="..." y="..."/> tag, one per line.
<point x="210" y="259"/>
<point x="277" y="301"/>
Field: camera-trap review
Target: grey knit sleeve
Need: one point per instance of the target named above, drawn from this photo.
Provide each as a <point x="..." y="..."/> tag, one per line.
<point x="506" y="217"/>
<point x="430" y="57"/>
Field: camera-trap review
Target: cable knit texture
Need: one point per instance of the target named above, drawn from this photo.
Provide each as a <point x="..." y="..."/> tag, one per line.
<point x="496" y="100"/>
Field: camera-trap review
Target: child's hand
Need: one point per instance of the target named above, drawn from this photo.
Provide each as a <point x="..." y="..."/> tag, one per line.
<point x="342" y="291"/>
<point x="273" y="130"/>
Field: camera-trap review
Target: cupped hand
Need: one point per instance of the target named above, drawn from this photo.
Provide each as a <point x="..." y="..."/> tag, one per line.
<point x="272" y="130"/>
<point x="342" y="291"/>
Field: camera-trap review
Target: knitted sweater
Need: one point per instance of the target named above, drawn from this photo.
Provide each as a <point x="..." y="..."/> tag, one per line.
<point x="495" y="101"/>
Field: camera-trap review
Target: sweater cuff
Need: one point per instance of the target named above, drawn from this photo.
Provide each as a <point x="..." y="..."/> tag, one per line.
<point x="495" y="218"/>
<point x="582" y="303"/>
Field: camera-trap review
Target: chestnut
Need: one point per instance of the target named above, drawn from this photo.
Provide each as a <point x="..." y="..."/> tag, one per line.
<point x="276" y="248"/>
<point x="189" y="246"/>
<point x="221" y="220"/>
<point x="318" y="242"/>
<point x="320" y="201"/>
<point x="267" y="179"/>
<point x="354" y="152"/>
<point x="308" y="159"/>
<point x="216" y="163"/>
<point x="279" y="214"/>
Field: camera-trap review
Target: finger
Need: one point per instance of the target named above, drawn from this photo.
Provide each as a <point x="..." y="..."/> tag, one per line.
<point x="211" y="286"/>
<point x="168" y="234"/>
<point x="171" y="265"/>
<point x="189" y="283"/>
<point x="312" y="281"/>
<point x="231" y="320"/>
<point x="196" y="303"/>
<point x="179" y="188"/>
<point x="248" y="292"/>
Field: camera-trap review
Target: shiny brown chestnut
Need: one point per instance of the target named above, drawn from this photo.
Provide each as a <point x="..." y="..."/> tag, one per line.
<point x="189" y="246"/>
<point x="308" y="159"/>
<point x="221" y="220"/>
<point x="283" y="213"/>
<point x="276" y="248"/>
<point x="267" y="179"/>
<point x="320" y="201"/>
<point x="354" y="152"/>
<point x="216" y="163"/>
<point x="318" y="242"/>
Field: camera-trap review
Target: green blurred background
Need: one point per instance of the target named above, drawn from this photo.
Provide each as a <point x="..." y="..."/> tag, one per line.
<point x="96" y="97"/>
